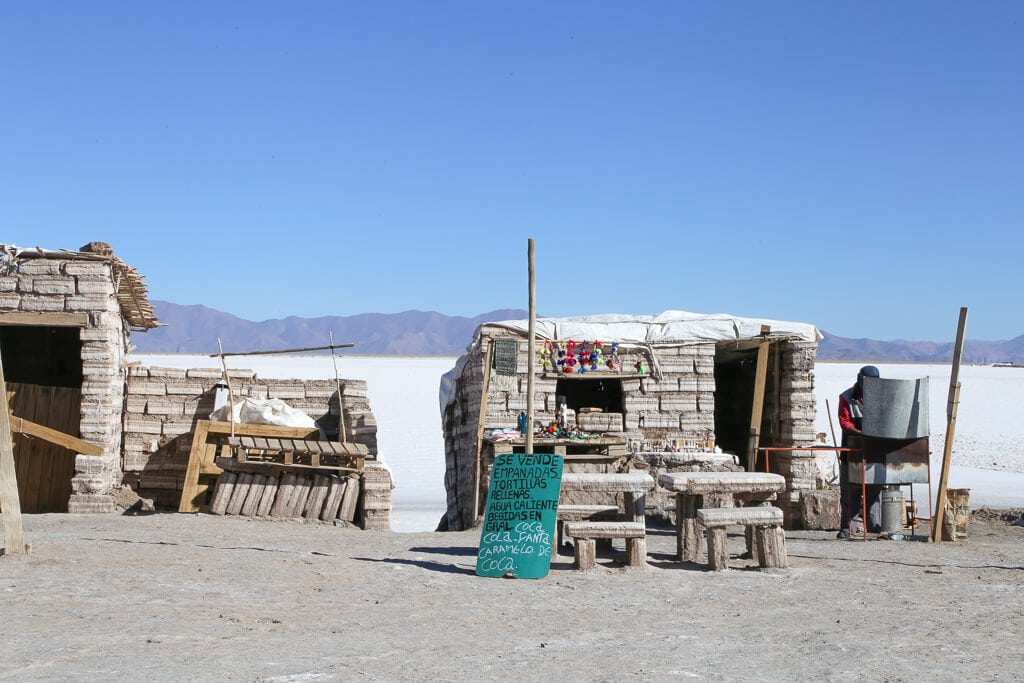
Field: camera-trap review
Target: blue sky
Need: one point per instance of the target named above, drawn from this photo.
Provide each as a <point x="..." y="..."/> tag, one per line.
<point x="859" y="166"/>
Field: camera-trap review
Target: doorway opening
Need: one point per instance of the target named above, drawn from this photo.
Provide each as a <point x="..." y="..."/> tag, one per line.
<point x="43" y="373"/>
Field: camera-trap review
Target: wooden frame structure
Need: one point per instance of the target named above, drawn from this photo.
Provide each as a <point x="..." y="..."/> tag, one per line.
<point x="271" y="447"/>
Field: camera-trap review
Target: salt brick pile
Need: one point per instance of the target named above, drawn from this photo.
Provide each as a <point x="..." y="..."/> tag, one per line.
<point x="162" y="405"/>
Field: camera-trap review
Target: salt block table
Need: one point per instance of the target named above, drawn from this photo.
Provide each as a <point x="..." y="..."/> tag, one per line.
<point x="634" y="484"/>
<point x="690" y="489"/>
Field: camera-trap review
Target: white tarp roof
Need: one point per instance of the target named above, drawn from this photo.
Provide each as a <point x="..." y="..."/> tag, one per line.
<point x="664" y="328"/>
<point x="670" y="326"/>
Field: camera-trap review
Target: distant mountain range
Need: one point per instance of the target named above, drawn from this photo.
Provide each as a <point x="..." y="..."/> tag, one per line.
<point x="195" y="329"/>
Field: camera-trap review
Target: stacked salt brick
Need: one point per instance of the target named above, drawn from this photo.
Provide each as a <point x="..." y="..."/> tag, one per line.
<point x="799" y="407"/>
<point x="42" y="285"/>
<point x="163" y="404"/>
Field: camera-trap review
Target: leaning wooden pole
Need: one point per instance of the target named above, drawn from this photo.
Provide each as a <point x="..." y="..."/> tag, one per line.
<point x="531" y="350"/>
<point x="342" y="437"/>
<point x="951" y="409"/>
<point x="10" y="503"/>
<point x="481" y="422"/>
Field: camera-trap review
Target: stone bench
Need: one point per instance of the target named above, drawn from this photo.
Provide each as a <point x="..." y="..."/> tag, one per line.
<point x="769" y="538"/>
<point x="580" y="513"/>
<point x="585" y="535"/>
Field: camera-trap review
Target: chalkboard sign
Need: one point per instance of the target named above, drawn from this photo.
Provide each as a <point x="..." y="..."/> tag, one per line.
<point x="504" y="359"/>
<point x="519" y="526"/>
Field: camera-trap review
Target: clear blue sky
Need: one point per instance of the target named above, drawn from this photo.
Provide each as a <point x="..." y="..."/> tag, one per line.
<point x="859" y="166"/>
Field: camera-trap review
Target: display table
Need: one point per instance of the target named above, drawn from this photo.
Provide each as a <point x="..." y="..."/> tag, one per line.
<point x="691" y="488"/>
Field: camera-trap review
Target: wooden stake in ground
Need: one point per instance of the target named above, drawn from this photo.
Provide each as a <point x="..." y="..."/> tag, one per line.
<point x="531" y="345"/>
<point x="10" y="503"/>
<point x="481" y="421"/>
<point x="951" y="406"/>
<point x="757" y="407"/>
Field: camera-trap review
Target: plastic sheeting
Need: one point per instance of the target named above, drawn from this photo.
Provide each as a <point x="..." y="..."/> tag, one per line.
<point x="669" y="326"/>
<point x="665" y="328"/>
<point x="267" y="411"/>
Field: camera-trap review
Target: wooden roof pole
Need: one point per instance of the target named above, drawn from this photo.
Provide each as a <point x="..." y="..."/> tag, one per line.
<point x="227" y="380"/>
<point x="14" y="532"/>
<point x="951" y="406"/>
<point x="531" y="350"/>
<point x="757" y="408"/>
<point x="481" y="420"/>
<point x="337" y="381"/>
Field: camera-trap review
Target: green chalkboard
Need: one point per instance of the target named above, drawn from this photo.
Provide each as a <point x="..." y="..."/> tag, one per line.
<point x="519" y="526"/>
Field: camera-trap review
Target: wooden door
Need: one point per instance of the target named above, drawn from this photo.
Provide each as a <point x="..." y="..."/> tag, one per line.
<point x="44" y="469"/>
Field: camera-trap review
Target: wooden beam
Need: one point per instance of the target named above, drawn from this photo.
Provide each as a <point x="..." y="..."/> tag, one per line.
<point x="331" y="346"/>
<point x="531" y="346"/>
<point x="43" y="319"/>
<point x="756" y="410"/>
<point x="10" y="504"/>
<point x="951" y="406"/>
<point x="478" y="462"/>
<point x="72" y="443"/>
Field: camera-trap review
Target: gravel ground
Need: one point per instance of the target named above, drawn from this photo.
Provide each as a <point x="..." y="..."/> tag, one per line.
<point x="195" y="597"/>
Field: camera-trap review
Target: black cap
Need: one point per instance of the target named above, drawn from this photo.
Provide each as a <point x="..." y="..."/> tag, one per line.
<point x="868" y="371"/>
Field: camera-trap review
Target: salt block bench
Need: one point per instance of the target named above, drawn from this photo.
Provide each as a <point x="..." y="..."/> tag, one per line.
<point x="769" y="538"/>
<point x="580" y="513"/>
<point x="585" y="534"/>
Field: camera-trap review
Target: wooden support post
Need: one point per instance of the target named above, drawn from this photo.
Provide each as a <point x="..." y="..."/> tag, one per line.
<point x="757" y="408"/>
<point x="586" y="553"/>
<point x="951" y="409"/>
<point x="771" y="547"/>
<point x="718" y="548"/>
<point x="636" y="552"/>
<point x="10" y="503"/>
<point x="341" y="404"/>
<point x="530" y="349"/>
<point x="478" y="462"/>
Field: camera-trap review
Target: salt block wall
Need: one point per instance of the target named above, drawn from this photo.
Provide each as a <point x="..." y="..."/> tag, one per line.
<point x="162" y="406"/>
<point x="69" y="286"/>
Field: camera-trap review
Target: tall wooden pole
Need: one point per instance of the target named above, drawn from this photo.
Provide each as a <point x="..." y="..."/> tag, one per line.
<point x="530" y="350"/>
<point x="14" y="533"/>
<point x="951" y="407"/>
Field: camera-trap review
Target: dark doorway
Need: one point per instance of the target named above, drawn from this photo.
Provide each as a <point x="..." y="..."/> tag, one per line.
<point x="43" y="372"/>
<point x="604" y="393"/>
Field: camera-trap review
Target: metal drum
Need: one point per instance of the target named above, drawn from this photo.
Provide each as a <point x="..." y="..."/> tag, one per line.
<point x="892" y="510"/>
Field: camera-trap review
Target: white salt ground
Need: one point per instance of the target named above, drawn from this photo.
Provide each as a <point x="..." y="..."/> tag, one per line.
<point x="988" y="445"/>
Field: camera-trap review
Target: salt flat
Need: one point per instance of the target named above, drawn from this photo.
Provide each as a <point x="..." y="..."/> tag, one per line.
<point x="988" y="448"/>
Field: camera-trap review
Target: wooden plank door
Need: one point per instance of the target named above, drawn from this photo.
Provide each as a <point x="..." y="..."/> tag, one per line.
<point x="44" y="469"/>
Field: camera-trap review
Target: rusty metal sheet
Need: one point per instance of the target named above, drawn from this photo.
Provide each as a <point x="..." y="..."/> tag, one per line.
<point x="896" y="408"/>
<point x="889" y="461"/>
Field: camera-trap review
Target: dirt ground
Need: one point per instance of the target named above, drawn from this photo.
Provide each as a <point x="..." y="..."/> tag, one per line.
<point x="197" y="597"/>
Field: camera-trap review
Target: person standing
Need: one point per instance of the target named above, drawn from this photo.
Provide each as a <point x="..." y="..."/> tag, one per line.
<point x="851" y="417"/>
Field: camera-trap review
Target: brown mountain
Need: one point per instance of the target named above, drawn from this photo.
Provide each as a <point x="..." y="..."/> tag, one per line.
<point x="195" y="329"/>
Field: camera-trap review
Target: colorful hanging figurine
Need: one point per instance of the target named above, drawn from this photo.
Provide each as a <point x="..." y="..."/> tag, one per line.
<point x="570" y="356"/>
<point x="613" y="361"/>
<point x="595" y="355"/>
<point x="544" y="352"/>
<point x="583" y="356"/>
